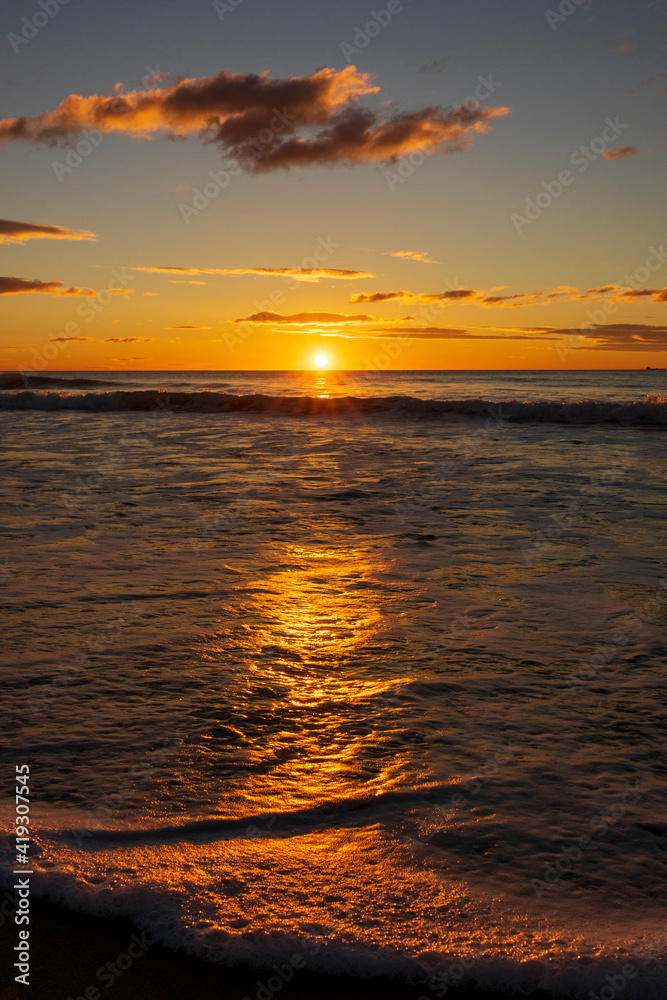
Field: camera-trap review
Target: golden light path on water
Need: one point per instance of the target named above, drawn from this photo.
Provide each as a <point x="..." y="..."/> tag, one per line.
<point x="318" y="643"/>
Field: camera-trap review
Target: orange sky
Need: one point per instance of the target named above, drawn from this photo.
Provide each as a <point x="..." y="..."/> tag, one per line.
<point x="309" y="212"/>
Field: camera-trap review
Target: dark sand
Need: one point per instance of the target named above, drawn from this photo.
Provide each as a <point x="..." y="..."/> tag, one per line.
<point x="68" y="949"/>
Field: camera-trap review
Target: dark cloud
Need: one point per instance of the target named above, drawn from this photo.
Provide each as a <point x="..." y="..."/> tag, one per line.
<point x="129" y="340"/>
<point x="454" y="295"/>
<point x="617" y="337"/>
<point x="17" y="232"/>
<point x="65" y="340"/>
<point x="447" y="333"/>
<point x="511" y="301"/>
<point x="15" y="286"/>
<point x="265" y="124"/>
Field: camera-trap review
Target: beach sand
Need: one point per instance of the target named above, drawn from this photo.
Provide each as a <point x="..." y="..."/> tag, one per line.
<point x="68" y="949"/>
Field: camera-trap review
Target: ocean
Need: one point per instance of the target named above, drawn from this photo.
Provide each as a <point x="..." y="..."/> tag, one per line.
<point x="363" y="668"/>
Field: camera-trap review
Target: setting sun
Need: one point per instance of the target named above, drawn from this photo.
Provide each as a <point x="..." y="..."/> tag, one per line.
<point x="321" y="360"/>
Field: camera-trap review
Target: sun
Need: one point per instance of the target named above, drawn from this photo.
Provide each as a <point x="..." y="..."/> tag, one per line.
<point x="321" y="360"/>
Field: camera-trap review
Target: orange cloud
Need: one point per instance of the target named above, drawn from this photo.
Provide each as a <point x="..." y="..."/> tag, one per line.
<point x="618" y="337"/>
<point x="616" y="293"/>
<point x="437" y="333"/>
<point x="420" y="255"/>
<point x="188" y="326"/>
<point x="298" y="273"/>
<point x="265" y="124"/>
<point x="624" y="295"/>
<point x="595" y="337"/>
<point x="18" y="232"/>
<point x="620" y="154"/>
<point x="16" y="286"/>
<point x="454" y="295"/>
<point x="565" y="292"/>
<point x="654" y="294"/>
<point x="511" y="301"/>
<point x="306" y="318"/>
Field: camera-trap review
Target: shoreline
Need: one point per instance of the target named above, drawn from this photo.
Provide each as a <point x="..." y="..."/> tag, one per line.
<point x="71" y="953"/>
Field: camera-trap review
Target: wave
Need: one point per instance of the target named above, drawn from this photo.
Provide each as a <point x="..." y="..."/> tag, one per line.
<point x="649" y="412"/>
<point x="18" y="380"/>
<point x="636" y="972"/>
<point x="330" y="814"/>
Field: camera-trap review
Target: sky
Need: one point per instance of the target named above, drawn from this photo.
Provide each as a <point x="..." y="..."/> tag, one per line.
<point x="247" y="184"/>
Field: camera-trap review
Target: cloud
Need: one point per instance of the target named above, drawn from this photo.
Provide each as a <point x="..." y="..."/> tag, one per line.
<point x="436" y="333"/>
<point x="128" y="359"/>
<point x="298" y="273"/>
<point x="564" y="292"/>
<point x="635" y="337"/>
<point x="616" y="293"/>
<point x="65" y="340"/>
<point x="178" y="281"/>
<point x="620" y="154"/>
<point x="631" y="294"/>
<point x="511" y="301"/>
<point x="18" y="232"/>
<point x="16" y="286"/>
<point x="188" y="326"/>
<point x="624" y="295"/>
<point x="129" y="340"/>
<point x="147" y="294"/>
<point x="453" y="295"/>
<point x="265" y="124"/>
<point x="617" y="337"/>
<point x="421" y="255"/>
<point x="306" y="318"/>
<point x="659" y="78"/>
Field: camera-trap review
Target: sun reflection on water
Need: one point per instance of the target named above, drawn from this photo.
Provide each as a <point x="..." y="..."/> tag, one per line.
<point x="317" y="645"/>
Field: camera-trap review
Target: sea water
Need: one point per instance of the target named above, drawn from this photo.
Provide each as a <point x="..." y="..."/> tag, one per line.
<point x="368" y="668"/>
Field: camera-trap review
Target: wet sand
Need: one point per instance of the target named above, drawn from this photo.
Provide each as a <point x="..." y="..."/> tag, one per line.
<point x="70" y="953"/>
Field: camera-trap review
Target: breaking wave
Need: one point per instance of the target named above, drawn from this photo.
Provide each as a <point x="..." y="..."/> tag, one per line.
<point x="650" y="412"/>
<point x="17" y="380"/>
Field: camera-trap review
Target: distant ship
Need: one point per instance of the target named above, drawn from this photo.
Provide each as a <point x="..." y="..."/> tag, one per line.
<point x="649" y="369"/>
